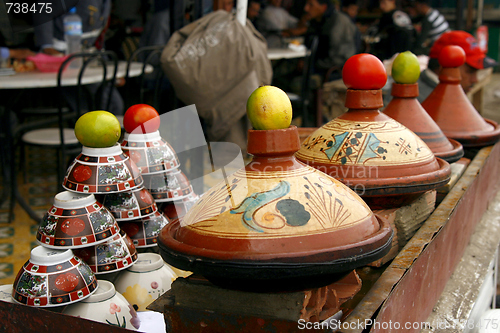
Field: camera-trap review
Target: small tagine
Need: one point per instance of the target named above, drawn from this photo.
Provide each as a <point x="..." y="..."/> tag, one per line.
<point x="406" y="109"/>
<point x="450" y="108"/>
<point x="277" y="223"/>
<point x="373" y="154"/>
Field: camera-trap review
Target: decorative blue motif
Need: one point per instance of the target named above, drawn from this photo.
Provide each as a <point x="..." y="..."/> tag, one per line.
<point x="257" y="200"/>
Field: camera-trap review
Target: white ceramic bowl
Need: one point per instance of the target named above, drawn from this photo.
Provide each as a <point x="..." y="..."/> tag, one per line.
<point x="150" y="152"/>
<point x="53" y="278"/>
<point x="76" y="220"/>
<point x="129" y="205"/>
<point x="6" y="293"/>
<point x="144" y="232"/>
<point x="102" y="170"/>
<point x="145" y="281"/>
<point x="114" y="255"/>
<point x="106" y="306"/>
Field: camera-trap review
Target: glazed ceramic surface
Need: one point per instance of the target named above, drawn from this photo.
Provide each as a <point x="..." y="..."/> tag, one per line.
<point x="168" y="186"/>
<point x="106" y="306"/>
<point x="113" y="255"/>
<point x="102" y="170"/>
<point x="53" y="278"/>
<point x="276" y="217"/>
<point x="144" y="231"/>
<point x="131" y="204"/>
<point x="76" y="220"/>
<point x="450" y="108"/>
<point x="150" y="152"/>
<point x="175" y="210"/>
<point x="145" y="281"/>
<point x="372" y="153"/>
<point x="6" y="293"/>
<point x="407" y="110"/>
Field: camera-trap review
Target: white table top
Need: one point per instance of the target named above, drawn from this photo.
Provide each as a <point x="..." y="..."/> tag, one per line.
<point x="286" y="53"/>
<point x="37" y="79"/>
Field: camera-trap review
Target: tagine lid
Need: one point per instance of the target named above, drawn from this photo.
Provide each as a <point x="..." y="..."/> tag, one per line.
<point x="275" y="212"/>
<point x="407" y="110"/>
<point x="450" y="108"/>
<point x="366" y="148"/>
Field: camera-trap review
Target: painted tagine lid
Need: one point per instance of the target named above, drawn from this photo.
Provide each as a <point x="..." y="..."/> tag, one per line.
<point x="373" y="154"/>
<point x="450" y="108"/>
<point x="277" y="221"/>
<point x="407" y="110"/>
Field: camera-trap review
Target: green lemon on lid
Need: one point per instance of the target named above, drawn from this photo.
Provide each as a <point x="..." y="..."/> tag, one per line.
<point x="98" y="129"/>
<point x="269" y="108"/>
<point x="406" y="68"/>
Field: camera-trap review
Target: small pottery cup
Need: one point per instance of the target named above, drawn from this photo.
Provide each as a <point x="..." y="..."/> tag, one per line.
<point x="145" y="281"/>
<point x="102" y="170"/>
<point x="53" y="278"/>
<point x="168" y="186"/>
<point x="76" y="220"/>
<point x="6" y="293"/>
<point x="144" y="232"/>
<point x="129" y="205"/>
<point x="175" y="210"/>
<point x="150" y="152"/>
<point x="106" y="306"/>
<point x="114" y="255"/>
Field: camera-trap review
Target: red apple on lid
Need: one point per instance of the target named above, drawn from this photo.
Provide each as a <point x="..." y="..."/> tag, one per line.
<point x="141" y="119"/>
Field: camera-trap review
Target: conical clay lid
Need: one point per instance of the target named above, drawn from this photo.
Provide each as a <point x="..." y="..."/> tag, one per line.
<point x="407" y="110"/>
<point x="276" y="219"/>
<point x="450" y="108"/>
<point x="378" y="157"/>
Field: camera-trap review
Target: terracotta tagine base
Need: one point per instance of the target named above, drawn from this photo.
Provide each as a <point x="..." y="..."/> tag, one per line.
<point x="406" y="109"/>
<point x="373" y="154"/>
<point x="276" y="224"/>
<point x="456" y="116"/>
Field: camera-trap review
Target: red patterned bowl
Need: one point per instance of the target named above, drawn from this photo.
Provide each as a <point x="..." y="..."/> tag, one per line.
<point x="150" y="152"/>
<point x="114" y="255"/>
<point x="53" y="278"/>
<point x="102" y="170"/>
<point x="130" y="205"/>
<point x="144" y="232"/>
<point x="76" y="220"/>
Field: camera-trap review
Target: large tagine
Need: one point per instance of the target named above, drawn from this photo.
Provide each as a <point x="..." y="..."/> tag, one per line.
<point x="406" y="109"/>
<point x="276" y="221"/>
<point x="378" y="157"/>
<point x="450" y="108"/>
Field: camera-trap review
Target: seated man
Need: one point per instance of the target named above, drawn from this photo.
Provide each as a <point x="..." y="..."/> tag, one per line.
<point x="475" y="60"/>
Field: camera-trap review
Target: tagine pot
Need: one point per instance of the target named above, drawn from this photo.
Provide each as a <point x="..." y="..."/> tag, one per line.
<point x="407" y="110"/>
<point x="450" y="108"/>
<point x="383" y="161"/>
<point x="275" y="224"/>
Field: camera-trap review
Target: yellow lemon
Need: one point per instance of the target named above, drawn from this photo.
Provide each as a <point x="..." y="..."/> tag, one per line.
<point x="98" y="129"/>
<point x="269" y="108"/>
<point x="405" y="68"/>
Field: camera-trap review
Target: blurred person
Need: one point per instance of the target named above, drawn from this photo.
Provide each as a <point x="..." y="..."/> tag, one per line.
<point x="433" y="24"/>
<point x="350" y="8"/>
<point x="253" y="11"/>
<point x="475" y="59"/>
<point x="273" y="21"/>
<point x="394" y="31"/>
<point x="336" y="32"/>
<point x="228" y="5"/>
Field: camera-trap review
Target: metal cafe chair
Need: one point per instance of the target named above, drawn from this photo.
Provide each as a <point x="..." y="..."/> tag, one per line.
<point x="56" y="132"/>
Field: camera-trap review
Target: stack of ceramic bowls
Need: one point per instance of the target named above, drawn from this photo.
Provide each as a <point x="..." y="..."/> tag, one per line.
<point x="162" y="177"/>
<point x="137" y="214"/>
<point x="79" y="222"/>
